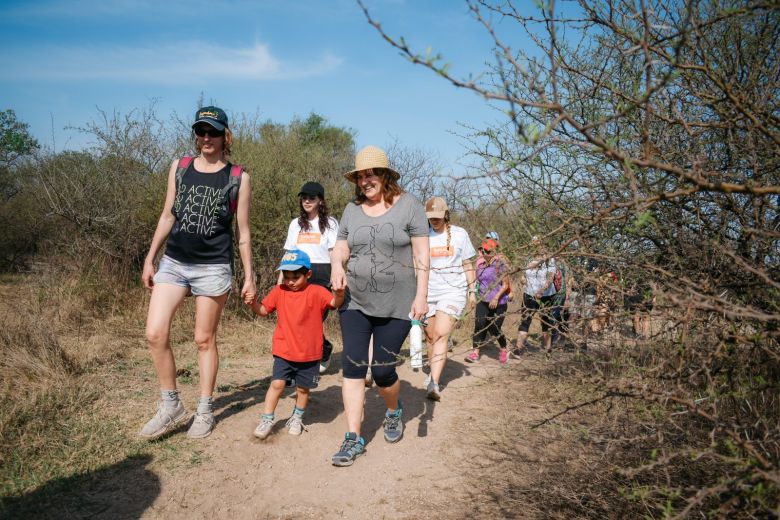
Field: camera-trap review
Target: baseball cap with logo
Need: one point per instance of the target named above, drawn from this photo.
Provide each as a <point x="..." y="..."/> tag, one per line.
<point x="436" y="207"/>
<point x="293" y="260"/>
<point x="213" y="116"/>
<point x="493" y="235"/>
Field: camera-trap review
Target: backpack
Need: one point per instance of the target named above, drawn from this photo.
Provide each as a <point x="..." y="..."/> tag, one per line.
<point x="230" y="190"/>
<point x="558" y="280"/>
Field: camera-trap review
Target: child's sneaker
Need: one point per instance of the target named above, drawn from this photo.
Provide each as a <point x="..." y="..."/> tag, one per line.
<point x="473" y="357"/>
<point x="264" y="428"/>
<point x="434" y="393"/>
<point x="369" y="379"/>
<point x="294" y="425"/>
<point x="165" y="420"/>
<point x="503" y="357"/>
<point x="352" y="447"/>
<point x="201" y="426"/>
<point x="393" y="425"/>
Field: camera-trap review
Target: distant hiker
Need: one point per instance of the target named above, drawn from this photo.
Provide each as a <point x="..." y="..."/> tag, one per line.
<point x="538" y="296"/>
<point x="298" y="340"/>
<point x="202" y="197"/>
<point x="491" y="302"/>
<point x="639" y="301"/>
<point x="314" y="232"/>
<point x="383" y="235"/>
<point x="451" y="284"/>
<point x="493" y="235"/>
<point x="561" y="301"/>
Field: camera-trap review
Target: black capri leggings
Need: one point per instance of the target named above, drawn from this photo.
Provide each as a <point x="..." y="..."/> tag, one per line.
<point x="545" y="307"/>
<point x="389" y="334"/>
<point x="487" y="320"/>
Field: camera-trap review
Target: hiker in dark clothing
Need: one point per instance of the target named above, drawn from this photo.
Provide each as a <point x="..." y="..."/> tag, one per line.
<point x="203" y="196"/>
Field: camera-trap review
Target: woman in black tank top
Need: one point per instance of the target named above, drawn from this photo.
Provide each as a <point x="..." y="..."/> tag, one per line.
<point x="196" y="227"/>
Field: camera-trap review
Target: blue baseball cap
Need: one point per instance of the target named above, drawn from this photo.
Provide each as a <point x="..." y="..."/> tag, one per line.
<point x="493" y="235"/>
<point x="293" y="260"/>
<point x="213" y="116"/>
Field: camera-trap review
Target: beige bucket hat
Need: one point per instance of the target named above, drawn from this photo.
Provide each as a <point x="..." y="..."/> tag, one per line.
<point x="371" y="157"/>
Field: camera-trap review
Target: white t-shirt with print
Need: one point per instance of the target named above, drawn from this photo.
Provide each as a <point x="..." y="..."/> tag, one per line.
<point x="315" y="244"/>
<point x="447" y="276"/>
<point x="536" y="277"/>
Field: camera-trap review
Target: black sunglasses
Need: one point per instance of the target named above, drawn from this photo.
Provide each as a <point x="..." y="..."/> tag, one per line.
<point x="201" y="131"/>
<point x="308" y="197"/>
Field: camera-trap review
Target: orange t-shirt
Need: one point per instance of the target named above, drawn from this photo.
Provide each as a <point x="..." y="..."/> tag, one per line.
<point x="298" y="332"/>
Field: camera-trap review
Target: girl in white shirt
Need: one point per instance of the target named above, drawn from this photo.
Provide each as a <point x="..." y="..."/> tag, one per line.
<point x="450" y="284"/>
<point x="314" y="232"/>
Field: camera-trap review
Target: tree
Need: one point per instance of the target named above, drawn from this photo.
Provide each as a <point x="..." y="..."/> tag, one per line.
<point x="648" y="135"/>
<point x="15" y="139"/>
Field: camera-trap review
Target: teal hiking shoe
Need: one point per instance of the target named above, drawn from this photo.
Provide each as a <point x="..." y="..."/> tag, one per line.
<point x="352" y="447"/>
<point x="394" y="427"/>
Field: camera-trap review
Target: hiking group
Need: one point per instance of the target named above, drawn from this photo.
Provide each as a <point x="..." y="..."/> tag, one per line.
<point x="388" y="261"/>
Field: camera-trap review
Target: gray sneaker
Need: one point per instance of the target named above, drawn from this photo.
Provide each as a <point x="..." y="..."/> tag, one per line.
<point x="165" y="420"/>
<point x="201" y="426"/>
<point x="352" y="447"/>
<point x="394" y="426"/>
<point x="264" y="428"/>
<point x="434" y="392"/>
<point x="295" y="425"/>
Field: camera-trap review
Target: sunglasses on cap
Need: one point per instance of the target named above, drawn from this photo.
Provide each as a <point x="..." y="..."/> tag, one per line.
<point x="202" y="131"/>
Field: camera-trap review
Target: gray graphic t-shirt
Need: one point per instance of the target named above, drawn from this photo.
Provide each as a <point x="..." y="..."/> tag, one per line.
<point x="380" y="273"/>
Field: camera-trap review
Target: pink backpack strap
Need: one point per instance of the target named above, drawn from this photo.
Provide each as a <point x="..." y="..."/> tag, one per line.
<point x="235" y="180"/>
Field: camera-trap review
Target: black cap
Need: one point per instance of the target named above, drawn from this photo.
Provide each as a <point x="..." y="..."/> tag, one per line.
<point x="213" y="116"/>
<point x="312" y="188"/>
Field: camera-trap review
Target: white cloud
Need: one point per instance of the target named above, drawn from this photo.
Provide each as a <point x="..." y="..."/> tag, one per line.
<point x="181" y="63"/>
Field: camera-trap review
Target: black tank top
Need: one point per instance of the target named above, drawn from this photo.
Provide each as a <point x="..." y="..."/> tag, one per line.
<point x="202" y="233"/>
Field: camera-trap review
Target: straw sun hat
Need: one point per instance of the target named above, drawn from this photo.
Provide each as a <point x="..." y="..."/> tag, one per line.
<point x="371" y="157"/>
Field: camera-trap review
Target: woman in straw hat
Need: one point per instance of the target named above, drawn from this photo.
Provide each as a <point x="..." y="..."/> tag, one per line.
<point x="384" y="235"/>
<point x="196" y="228"/>
<point x="451" y="282"/>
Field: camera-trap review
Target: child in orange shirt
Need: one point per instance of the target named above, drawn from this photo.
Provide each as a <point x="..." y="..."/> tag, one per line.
<point x="297" y="340"/>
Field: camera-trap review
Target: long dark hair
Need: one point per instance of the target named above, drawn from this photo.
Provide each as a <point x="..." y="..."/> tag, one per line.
<point x="322" y="212"/>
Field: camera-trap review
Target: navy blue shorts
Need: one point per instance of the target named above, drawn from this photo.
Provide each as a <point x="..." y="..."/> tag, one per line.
<point x="306" y="374"/>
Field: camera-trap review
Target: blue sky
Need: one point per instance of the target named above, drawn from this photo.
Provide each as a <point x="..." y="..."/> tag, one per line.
<point x="64" y="60"/>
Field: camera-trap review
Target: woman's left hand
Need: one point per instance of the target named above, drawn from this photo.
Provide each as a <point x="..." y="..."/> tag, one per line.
<point x="249" y="291"/>
<point x="419" y="308"/>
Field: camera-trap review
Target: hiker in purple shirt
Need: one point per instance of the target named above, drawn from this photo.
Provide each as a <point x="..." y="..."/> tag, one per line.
<point x="491" y="302"/>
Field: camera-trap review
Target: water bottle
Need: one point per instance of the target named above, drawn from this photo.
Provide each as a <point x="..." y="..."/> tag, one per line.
<point x="415" y="344"/>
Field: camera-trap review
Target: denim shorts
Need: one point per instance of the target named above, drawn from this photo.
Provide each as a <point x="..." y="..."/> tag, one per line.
<point x="201" y="279"/>
<point x="306" y="374"/>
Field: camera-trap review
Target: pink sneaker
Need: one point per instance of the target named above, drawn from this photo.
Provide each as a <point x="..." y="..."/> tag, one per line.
<point x="503" y="357"/>
<point x="473" y="357"/>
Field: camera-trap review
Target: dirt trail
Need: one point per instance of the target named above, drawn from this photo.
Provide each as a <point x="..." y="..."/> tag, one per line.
<point x="291" y="477"/>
